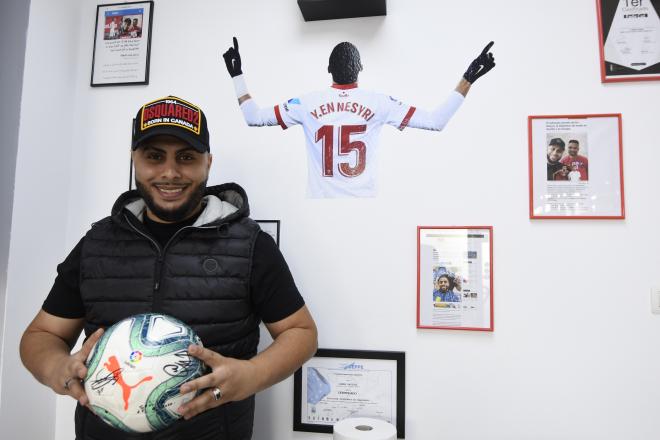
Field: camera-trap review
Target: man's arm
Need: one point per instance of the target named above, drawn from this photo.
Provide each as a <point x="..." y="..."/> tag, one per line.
<point x="254" y="115"/>
<point x="45" y="350"/>
<point x="294" y="341"/>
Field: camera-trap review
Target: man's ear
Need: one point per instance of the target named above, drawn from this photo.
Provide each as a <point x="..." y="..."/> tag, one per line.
<point x="208" y="166"/>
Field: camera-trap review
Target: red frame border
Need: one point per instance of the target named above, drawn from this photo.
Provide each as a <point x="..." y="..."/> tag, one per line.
<point x="492" y="292"/>
<point x="601" y="47"/>
<point x="531" y="168"/>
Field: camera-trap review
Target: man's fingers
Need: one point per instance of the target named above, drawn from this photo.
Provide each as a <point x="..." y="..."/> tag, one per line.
<point x="206" y="381"/>
<point x="210" y="358"/>
<point x="77" y="391"/>
<point x="488" y="46"/>
<point x="199" y="404"/>
<point x="89" y="343"/>
<point x="235" y="44"/>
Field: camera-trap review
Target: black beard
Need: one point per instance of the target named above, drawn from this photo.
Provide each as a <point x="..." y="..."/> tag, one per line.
<point x="173" y="215"/>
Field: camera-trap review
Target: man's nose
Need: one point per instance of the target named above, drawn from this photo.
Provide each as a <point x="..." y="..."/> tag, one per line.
<point x="170" y="169"/>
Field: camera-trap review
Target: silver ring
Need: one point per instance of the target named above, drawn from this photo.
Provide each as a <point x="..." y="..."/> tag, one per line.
<point x="66" y="384"/>
<point x="217" y="394"/>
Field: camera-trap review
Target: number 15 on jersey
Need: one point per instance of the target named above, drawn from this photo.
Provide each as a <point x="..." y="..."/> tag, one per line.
<point x="339" y="137"/>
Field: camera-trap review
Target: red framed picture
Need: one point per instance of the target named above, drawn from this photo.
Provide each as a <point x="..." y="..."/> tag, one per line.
<point x="629" y="40"/>
<point x="455" y="277"/>
<point x="576" y="167"/>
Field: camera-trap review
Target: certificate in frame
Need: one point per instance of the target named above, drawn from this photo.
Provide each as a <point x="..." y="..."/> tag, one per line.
<point x="336" y="384"/>
<point x="576" y="167"/>
<point x="122" y="44"/>
<point x="272" y="228"/>
<point x="629" y="40"/>
<point x="455" y="277"/>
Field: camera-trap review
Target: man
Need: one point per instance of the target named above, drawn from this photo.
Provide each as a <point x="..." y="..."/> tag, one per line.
<point x="342" y="122"/>
<point x="444" y="290"/>
<point x="175" y="246"/>
<point x="556" y="169"/>
<point x="136" y="31"/>
<point x="576" y="162"/>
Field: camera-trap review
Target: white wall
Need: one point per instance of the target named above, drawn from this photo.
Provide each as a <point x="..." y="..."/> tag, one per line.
<point x="40" y="211"/>
<point x="13" y="35"/>
<point x="574" y="353"/>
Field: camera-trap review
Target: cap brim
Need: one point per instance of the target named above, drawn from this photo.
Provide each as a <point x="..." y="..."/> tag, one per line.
<point x="178" y="133"/>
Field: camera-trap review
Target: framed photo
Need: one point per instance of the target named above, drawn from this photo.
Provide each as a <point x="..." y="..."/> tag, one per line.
<point x="575" y="167"/>
<point x="337" y="384"/>
<point x="272" y="228"/>
<point x="122" y="42"/>
<point x="629" y="40"/>
<point x="455" y="277"/>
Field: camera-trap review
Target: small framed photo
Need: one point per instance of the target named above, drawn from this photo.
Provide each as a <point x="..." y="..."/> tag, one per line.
<point x="455" y="277"/>
<point x="122" y="42"/>
<point x="272" y="228"/>
<point x="629" y="40"/>
<point x="338" y="384"/>
<point x="576" y="167"/>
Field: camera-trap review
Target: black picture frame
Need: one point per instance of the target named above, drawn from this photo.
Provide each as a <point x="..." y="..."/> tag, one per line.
<point x="398" y="359"/>
<point x="109" y="45"/>
<point x="272" y="228"/>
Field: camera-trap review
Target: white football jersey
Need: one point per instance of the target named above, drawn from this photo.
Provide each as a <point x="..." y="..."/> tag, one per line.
<point x="342" y="124"/>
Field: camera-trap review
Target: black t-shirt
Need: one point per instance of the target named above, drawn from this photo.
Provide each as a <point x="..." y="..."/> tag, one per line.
<point x="273" y="292"/>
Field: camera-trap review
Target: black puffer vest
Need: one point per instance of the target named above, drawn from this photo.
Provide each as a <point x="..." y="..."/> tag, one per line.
<point x="201" y="277"/>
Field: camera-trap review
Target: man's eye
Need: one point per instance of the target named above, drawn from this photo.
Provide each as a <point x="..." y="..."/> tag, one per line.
<point x="154" y="156"/>
<point x="186" y="157"/>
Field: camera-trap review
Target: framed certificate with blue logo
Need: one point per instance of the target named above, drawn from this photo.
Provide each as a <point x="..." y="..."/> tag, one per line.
<point x="122" y="42"/>
<point x="337" y="384"/>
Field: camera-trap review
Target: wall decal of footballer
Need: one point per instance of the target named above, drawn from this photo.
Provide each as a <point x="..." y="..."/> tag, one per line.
<point x="342" y="122"/>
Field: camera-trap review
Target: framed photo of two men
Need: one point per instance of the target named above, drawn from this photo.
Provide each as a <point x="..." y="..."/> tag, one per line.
<point x="629" y="40"/>
<point x="576" y="167"/>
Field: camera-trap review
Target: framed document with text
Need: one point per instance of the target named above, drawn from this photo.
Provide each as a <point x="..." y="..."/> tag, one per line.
<point x="455" y="277"/>
<point x="629" y="39"/>
<point x="337" y="384"/>
<point x="122" y="41"/>
<point x="575" y="167"/>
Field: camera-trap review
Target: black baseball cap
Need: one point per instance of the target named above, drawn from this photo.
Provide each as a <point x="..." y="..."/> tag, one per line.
<point x="175" y="117"/>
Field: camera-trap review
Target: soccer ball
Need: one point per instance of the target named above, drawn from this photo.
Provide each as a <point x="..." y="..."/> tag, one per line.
<point x="136" y="368"/>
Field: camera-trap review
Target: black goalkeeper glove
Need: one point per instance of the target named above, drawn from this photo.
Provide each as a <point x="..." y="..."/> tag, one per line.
<point x="480" y="66"/>
<point x="233" y="60"/>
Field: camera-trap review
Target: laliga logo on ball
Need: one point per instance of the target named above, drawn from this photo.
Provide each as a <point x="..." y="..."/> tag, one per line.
<point x="135" y="371"/>
<point x="135" y="356"/>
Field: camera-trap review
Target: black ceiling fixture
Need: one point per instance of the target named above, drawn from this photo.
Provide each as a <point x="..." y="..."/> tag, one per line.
<point x="313" y="10"/>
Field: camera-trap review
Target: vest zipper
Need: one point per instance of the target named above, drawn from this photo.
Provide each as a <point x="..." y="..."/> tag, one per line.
<point x="161" y="252"/>
<point x="159" y="262"/>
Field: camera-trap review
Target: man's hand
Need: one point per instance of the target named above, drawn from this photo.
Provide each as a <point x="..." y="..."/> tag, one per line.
<point x="233" y="60"/>
<point x="234" y="378"/>
<point x="67" y="378"/>
<point x="481" y="65"/>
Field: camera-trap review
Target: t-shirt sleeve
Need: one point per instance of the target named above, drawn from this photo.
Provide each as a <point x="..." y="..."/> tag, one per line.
<point x="289" y="113"/>
<point x="398" y="113"/>
<point x="64" y="299"/>
<point x="272" y="288"/>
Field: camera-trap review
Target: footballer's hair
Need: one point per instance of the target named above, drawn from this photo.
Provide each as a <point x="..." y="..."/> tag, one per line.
<point x="344" y="63"/>
<point x="558" y="142"/>
<point x="574" y="141"/>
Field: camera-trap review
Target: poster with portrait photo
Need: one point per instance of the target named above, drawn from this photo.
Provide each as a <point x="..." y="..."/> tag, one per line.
<point x="122" y="42"/>
<point x="454" y="277"/>
<point x="629" y="39"/>
<point x="576" y="168"/>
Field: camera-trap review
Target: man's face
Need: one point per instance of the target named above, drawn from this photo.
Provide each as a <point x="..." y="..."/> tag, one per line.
<point x="170" y="175"/>
<point x="443" y="284"/>
<point x="554" y="153"/>
<point x="573" y="148"/>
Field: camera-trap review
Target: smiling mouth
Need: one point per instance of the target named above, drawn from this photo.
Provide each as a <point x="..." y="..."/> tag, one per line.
<point x="169" y="191"/>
